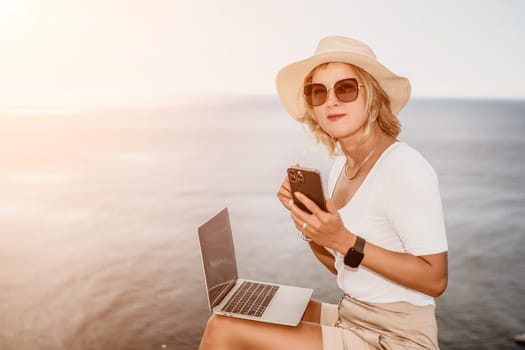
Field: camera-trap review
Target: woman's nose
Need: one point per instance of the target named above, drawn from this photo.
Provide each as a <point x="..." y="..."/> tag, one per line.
<point x="331" y="98"/>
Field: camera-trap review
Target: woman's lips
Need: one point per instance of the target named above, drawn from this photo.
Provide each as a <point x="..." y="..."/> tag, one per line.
<point x="335" y="116"/>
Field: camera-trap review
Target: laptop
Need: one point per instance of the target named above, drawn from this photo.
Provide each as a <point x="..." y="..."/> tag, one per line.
<point x="232" y="296"/>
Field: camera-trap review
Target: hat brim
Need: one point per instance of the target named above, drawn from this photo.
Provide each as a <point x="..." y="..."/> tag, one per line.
<point x="290" y="80"/>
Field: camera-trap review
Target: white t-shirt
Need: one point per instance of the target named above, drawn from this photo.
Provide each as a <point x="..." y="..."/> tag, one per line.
<point x="397" y="207"/>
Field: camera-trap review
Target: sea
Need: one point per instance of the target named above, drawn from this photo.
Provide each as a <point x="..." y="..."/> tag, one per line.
<point x="99" y="209"/>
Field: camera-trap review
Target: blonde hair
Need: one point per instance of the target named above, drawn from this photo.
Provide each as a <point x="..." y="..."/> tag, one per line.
<point x="377" y="109"/>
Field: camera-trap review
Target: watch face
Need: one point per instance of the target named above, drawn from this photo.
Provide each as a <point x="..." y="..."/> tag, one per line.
<point x="355" y="255"/>
<point x="353" y="258"/>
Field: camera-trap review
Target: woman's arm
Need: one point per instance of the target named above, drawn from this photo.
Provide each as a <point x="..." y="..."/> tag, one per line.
<point x="427" y="274"/>
<point x="323" y="256"/>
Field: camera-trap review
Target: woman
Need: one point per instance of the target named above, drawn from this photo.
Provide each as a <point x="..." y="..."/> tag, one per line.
<point x="383" y="233"/>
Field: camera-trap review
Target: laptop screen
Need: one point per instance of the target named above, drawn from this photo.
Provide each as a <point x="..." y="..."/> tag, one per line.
<point x="218" y="256"/>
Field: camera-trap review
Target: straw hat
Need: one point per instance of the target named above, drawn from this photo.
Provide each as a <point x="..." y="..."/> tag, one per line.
<point x="290" y="79"/>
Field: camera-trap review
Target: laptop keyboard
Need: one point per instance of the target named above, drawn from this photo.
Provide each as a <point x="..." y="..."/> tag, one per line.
<point x="251" y="299"/>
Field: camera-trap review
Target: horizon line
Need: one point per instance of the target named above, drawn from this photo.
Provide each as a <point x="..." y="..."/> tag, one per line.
<point x="96" y="102"/>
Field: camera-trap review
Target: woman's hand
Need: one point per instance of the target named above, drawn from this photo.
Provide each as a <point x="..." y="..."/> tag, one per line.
<point x="325" y="228"/>
<point x="285" y="193"/>
<point x="285" y="196"/>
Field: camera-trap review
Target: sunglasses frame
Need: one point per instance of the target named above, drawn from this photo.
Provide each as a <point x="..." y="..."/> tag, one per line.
<point x="328" y="92"/>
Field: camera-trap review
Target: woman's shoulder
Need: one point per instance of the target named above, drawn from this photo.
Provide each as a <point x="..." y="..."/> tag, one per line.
<point x="403" y="160"/>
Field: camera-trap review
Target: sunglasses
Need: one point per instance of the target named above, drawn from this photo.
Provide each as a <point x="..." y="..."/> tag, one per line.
<point x="345" y="90"/>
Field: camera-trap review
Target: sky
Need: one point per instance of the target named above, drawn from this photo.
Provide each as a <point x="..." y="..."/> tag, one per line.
<point x="152" y="50"/>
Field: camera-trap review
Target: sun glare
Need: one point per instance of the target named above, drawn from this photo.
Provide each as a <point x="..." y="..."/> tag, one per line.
<point x="12" y="14"/>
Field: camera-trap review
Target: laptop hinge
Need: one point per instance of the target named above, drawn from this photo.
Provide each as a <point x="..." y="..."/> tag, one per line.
<point x="224" y="291"/>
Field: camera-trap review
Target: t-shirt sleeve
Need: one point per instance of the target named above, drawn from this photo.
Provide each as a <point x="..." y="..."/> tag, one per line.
<point x="413" y="202"/>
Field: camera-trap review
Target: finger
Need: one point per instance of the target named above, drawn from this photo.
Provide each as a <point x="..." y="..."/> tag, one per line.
<point x="286" y="182"/>
<point x="283" y="192"/>
<point x="284" y="196"/>
<point x="304" y="229"/>
<point x="301" y="223"/>
<point x="310" y="204"/>
<point x="299" y="216"/>
<point x="286" y="185"/>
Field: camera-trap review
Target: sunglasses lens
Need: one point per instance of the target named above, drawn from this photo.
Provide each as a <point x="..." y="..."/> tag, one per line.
<point x="346" y="90"/>
<point x="315" y="94"/>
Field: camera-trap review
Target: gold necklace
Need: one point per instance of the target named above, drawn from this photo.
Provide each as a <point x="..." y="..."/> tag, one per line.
<point x="345" y="175"/>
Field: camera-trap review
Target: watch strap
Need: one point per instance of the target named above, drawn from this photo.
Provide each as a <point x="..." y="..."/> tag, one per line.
<point x="359" y="244"/>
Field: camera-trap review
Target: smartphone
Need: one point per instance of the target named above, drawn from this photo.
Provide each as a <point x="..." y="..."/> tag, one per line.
<point x="308" y="182"/>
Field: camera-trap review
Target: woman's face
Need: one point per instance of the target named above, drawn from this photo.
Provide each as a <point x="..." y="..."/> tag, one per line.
<point x="339" y="119"/>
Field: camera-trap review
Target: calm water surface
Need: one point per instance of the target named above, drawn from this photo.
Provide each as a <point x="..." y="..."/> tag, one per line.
<point x="99" y="210"/>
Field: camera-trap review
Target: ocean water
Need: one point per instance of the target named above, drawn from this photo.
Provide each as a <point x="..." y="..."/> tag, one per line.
<point x="99" y="210"/>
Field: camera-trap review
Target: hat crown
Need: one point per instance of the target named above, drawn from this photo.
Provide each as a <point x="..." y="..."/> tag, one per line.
<point x="290" y="79"/>
<point x="342" y="44"/>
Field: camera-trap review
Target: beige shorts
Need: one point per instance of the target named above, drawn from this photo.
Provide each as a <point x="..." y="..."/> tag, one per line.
<point x="353" y="324"/>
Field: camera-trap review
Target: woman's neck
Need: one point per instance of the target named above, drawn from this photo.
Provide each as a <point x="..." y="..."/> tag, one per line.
<point x="356" y="149"/>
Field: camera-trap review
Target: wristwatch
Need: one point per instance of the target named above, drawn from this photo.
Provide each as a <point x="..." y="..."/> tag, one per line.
<point x="355" y="254"/>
